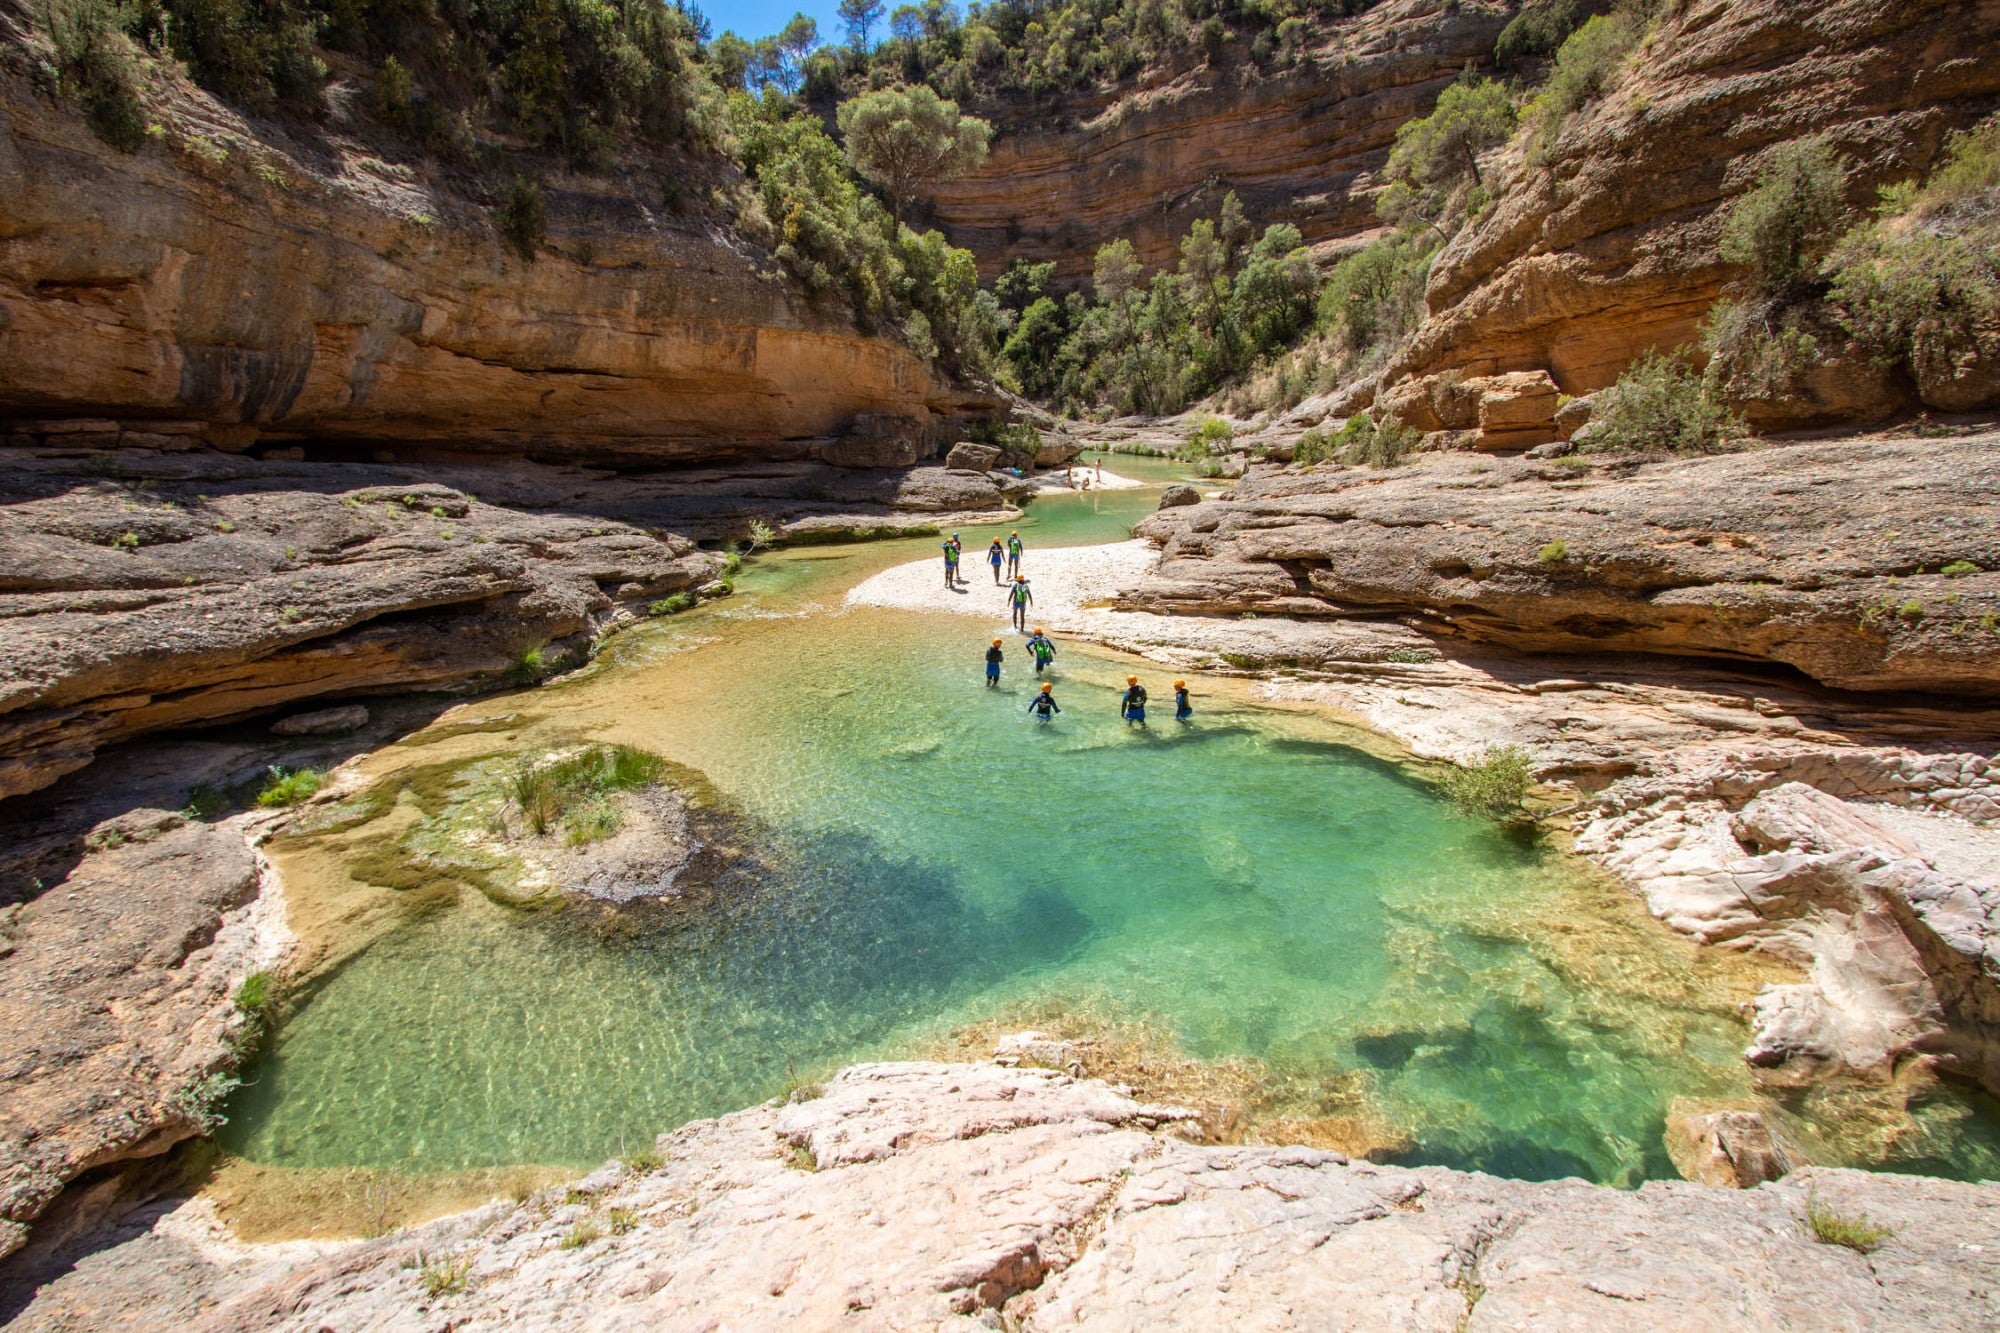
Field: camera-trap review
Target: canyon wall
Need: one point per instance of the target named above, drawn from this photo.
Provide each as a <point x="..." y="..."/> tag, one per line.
<point x="268" y="285"/>
<point x="1300" y="144"/>
<point x="1610" y="247"/>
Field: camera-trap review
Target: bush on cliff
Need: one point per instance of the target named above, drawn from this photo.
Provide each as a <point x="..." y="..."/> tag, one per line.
<point x="96" y="67"/>
<point x="839" y="240"/>
<point x="1920" y="286"/>
<point x="1436" y="157"/>
<point x="1660" y="403"/>
<point x="1784" y="226"/>
<point x="1589" y="63"/>
<point x="1494" y="786"/>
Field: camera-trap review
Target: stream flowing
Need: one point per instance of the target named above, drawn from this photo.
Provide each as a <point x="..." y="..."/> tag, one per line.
<point x="1263" y="886"/>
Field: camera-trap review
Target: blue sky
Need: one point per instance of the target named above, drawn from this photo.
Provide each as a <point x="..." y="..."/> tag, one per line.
<point x="762" y="18"/>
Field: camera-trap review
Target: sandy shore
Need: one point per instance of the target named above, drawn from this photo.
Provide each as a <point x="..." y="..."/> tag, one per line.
<point x="1065" y="583"/>
<point x="1057" y="479"/>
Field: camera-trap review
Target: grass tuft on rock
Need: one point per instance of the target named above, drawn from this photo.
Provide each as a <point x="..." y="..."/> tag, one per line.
<point x="443" y="1274"/>
<point x="582" y="1234"/>
<point x="1495" y="786"/>
<point x="574" y="791"/>
<point x="288" y="786"/>
<point x="1830" y="1227"/>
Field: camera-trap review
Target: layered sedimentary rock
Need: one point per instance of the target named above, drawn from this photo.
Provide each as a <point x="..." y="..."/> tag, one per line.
<point x="925" y="1194"/>
<point x="1299" y="144"/>
<point x="1827" y="557"/>
<point x="1611" y="246"/>
<point x="142" y="591"/>
<point x="270" y="287"/>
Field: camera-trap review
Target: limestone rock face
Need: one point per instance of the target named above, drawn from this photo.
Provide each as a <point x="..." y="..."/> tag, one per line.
<point x="1175" y="497"/>
<point x="965" y="456"/>
<point x="322" y="722"/>
<point x="1803" y="555"/>
<point x="1613" y="249"/>
<point x="1724" y="1147"/>
<point x="114" y="1004"/>
<point x="926" y="1195"/>
<point x="356" y="301"/>
<point x="1300" y="144"/>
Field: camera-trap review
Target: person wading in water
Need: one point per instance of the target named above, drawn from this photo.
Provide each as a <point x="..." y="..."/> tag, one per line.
<point x="1132" y="704"/>
<point x="993" y="656"/>
<point x="1183" y="710"/>
<point x="1044" y="704"/>
<point x="1021" y="599"/>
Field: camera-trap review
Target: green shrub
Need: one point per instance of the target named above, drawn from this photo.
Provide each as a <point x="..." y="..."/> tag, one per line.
<point x="532" y="666"/>
<point x="1588" y="62"/>
<point x="1787" y="223"/>
<point x="1660" y="403"/>
<point x="1958" y="569"/>
<point x="1436" y="156"/>
<point x="1830" y="1227"/>
<point x="1209" y="436"/>
<point x="1495" y="786"/>
<point x="732" y="562"/>
<point x="1555" y="553"/>
<point x="288" y="786"/>
<point x="620" y="1220"/>
<point x="1537" y="30"/>
<point x="443" y="1274"/>
<point x="1315" y="446"/>
<point x="522" y="216"/>
<point x="1756" y="349"/>
<point x="254" y="995"/>
<point x="645" y="1160"/>
<point x="671" y="606"/>
<point x="393" y="94"/>
<point x="96" y="67"/>
<point x="1374" y="296"/>
<point x="201" y="1102"/>
<point x="1410" y="656"/>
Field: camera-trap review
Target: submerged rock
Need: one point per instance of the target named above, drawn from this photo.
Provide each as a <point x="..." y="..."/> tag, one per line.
<point x="1735" y="1148"/>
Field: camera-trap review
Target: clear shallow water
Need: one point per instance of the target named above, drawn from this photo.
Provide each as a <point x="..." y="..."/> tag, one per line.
<point x="1254" y="885"/>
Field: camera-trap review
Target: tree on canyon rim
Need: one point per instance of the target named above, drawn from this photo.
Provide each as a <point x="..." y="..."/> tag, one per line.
<point x="906" y="138"/>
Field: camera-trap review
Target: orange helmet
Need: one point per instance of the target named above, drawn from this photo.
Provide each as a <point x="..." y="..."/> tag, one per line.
<point x="996" y="643"/>
<point x="1046" y="687"/>
<point x="1131" y="680"/>
<point x="1180" y="684"/>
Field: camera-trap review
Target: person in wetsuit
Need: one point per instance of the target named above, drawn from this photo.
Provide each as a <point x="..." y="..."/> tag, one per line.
<point x="1132" y="704"/>
<point x="950" y="565"/>
<point x="1042" y="648"/>
<point x="993" y="656"/>
<point x="1014" y="554"/>
<point x="1044" y="704"/>
<point x="1183" y="710"/>
<point x="1021" y="599"/>
<point x="995" y="557"/>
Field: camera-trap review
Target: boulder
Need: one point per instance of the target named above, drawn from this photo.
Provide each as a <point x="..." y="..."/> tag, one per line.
<point x="1573" y="415"/>
<point x="880" y="439"/>
<point x="1727" y="1147"/>
<point x="1553" y="449"/>
<point x="965" y="456"/>
<point x="1056" y="450"/>
<point x="1516" y="411"/>
<point x="322" y="722"/>
<point x="1176" y="496"/>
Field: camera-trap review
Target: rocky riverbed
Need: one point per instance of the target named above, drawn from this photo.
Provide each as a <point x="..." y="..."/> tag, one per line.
<point x="898" y="1195"/>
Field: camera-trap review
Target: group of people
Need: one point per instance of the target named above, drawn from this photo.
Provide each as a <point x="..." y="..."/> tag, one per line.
<point x="1041" y="648"/>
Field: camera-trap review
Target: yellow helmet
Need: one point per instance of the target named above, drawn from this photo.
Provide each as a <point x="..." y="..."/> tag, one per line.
<point x="1180" y="684"/>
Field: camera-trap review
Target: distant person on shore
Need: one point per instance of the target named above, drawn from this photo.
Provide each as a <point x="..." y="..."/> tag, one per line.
<point x="951" y="564"/>
<point x="1021" y="599"/>
<point x="996" y="557"/>
<point x="1014" y="553"/>
<point x="993" y="656"/>
<point x="1042" y="648"/>
<point x="1183" y="710"/>
<point x="1044" y="704"/>
<point x="1132" y="704"/>
<point x="957" y="552"/>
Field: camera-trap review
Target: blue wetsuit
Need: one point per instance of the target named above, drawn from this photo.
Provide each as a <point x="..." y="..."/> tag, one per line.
<point x="1042" y="705"/>
<point x="1133" y="706"/>
<point x="995" y="557"/>
<point x="992" y="667"/>
<point x="1182" y="709"/>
